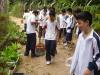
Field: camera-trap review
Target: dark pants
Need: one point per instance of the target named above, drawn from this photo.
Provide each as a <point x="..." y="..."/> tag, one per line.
<point x="25" y="26"/>
<point x="96" y="72"/>
<point x="31" y="44"/>
<point x="62" y="32"/>
<point x="50" y="46"/>
<point x="41" y="32"/>
<point x="68" y="37"/>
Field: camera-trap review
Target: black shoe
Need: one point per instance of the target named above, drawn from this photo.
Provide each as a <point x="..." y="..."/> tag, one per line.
<point x="26" y="54"/>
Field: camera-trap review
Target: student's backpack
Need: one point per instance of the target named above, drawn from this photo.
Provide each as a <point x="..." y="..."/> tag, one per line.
<point x="97" y="72"/>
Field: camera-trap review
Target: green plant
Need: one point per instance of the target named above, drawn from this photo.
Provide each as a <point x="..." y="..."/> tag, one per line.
<point x="10" y="53"/>
<point x="3" y="66"/>
<point x="3" y="71"/>
<point x="16" y="10"/>
<point x="15" y="34"/>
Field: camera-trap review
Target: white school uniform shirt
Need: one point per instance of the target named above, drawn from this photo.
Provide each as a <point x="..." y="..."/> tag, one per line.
<point x="42" y="19"/>
<point x="26" y="16"/>
<point x="62" y="18"/>
<point x="51" y="32"/>
<point x="70" y="21"/>
<point x="31" y="28"/>
<point x="84" y="53"/>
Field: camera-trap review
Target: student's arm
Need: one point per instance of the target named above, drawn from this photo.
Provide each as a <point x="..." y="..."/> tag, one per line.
<point x="95" y="64"/>
<point x="57" y="26"/>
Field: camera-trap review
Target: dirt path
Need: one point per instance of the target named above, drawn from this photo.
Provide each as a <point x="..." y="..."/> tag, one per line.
<point x="37" y="66"/>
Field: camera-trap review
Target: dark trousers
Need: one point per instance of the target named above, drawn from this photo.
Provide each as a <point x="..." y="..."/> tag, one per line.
<point x="62" y="32"/>
<point x="31" y="44"/>
<point x="41" y="32"/>
<point x="50" y="46"/>
<point x="25" y="26"/>
<point x="69" y="36"/>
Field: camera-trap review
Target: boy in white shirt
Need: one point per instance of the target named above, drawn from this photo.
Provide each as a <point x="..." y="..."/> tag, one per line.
<point x="70" y="21"/>
<point x="61" y="18"/>
<point x="86" y="59"/>
<point x="50" y="37"/>
<point x="76" y="11"/>
<point x="42" y="19"/>
<point x="31" y="34"/>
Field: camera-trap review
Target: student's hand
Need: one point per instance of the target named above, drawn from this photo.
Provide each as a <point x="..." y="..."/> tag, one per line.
<point x="87" y="72"/>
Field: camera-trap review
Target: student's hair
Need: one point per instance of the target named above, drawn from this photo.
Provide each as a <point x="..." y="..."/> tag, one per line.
<point x="35" y="12"/>
<point x="25" y="10"/>
<point x="52" y="13"/>
<point x="76" y="11"/>
<point x="84" y="16"/>
<point x="45" y="8"/>
<point x="63" y="11"/>
<point x="69" y="10"/>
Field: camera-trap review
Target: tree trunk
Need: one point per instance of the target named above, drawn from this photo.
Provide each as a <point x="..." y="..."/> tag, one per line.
<point x="3" y="6"/>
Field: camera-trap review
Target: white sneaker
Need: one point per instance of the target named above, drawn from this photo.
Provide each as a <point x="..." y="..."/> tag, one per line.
<point x="48" y="62"/>
<point x="65" y="44"/>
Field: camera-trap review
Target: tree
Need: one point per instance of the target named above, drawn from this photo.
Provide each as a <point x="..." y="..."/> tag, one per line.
<point x="3" y="6"/>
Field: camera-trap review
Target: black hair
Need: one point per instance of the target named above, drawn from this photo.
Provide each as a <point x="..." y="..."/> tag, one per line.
<point x="76" y="11"/>
<point x="52" y="13"/>
<point x="44" y="7"/>
<point x="35" y="12"/>
<point x="69" y="10"/>
<point x="63" y="11"/>
<point x="25" y="10"/>
<point x="84" y="16"/>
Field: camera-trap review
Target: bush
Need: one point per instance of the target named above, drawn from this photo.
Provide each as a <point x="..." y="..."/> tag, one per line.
<point x="17" y="10"/>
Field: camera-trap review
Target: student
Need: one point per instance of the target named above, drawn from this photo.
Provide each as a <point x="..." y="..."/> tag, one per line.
<point x="43" y="10"/>
<point x="42" y="18"/>
<point x="25" y="17"/>
<point x="86" y="59"/>
<point x="76" y="11"/>
<point x="70" y="21"/>
<point x="61" y="18"/>
<point x="31" y="34"/>
<point x="50" y="37"/>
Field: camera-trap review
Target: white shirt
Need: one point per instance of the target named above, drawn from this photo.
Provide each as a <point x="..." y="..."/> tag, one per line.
<point x="26" y="16"/>
<point x="31" y="28"/>
<point x="62" y="18"/>
<point x="84" y="53"/>
<point x="51" y="30"/>
<point x="42" y="19"/>
<point x="70" y="23"/>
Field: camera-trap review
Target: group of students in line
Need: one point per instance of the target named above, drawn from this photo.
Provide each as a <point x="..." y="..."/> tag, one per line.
<point x="86" y="59"/>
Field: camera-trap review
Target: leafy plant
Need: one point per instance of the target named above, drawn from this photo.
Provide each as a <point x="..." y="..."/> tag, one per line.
<point x="10" y="53"/>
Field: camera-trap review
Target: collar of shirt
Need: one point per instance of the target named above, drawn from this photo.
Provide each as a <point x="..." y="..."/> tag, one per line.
<point x="90" y="36"/>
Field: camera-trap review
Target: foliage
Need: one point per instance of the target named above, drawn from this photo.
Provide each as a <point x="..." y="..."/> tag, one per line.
<point x="15" y="35"/>
<point x="17" y="10"/>
<point x="10" y="53"/>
